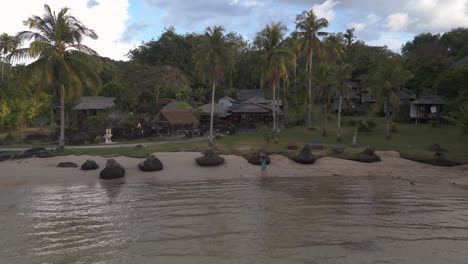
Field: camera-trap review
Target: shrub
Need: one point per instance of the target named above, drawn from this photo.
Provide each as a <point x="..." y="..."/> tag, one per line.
<point x="352" y="122"/>
<point x="9" y="136"/>
<point x="356" y="111"/>
<point x="98" y="140"/>
<point x="371" y="124"/>
<point x="267" y="133"/>
<point x="403" y="113"/>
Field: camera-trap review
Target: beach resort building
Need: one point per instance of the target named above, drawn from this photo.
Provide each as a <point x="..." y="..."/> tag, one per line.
<point x="426" y="108"/>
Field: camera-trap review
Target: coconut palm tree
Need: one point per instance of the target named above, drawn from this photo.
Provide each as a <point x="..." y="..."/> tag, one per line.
<point x="8" y="44"/>
<point x="211" y="56"/>
<point x="323" y="77"/>
<point x="349" y="36"/>
<point x="276" y="56"/>
<point x="342" y="88"/>
<point x="60" y="57"/>
<point x="335" y="48"/>
<point x="386" y="81"/>
<point x="309" y="27"/>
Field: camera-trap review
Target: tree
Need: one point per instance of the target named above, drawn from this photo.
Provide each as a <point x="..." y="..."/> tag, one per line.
<point x="60" y="56"/>
<point x="276" y="58"/>
<point x="349" y="36"/>
<point x="211" y="56"/>
<point x="335" y="47"/>
<point x="309" y="28"/>
<point x="341" y="78"/>
<point x="386" y="80"/>
<point x="323" y="77"/>
<point x="8" y="44"/>
<point x="455" y="40"/>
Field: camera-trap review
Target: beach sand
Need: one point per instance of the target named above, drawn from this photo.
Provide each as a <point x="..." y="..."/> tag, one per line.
<point x="182" y="167"/>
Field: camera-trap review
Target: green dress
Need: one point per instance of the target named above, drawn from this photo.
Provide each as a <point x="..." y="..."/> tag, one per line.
<point x="264" y="165"/>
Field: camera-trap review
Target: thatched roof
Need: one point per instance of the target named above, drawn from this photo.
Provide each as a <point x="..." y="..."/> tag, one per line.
<point x="179" y="117"/>
<point x="429" y="100"/>
<point x="219" y="110"/>
<point x="245" y="94"/>
<point x="177" y="105"/>
<point x="95" y="103"/>
<point x="251" y="108"/>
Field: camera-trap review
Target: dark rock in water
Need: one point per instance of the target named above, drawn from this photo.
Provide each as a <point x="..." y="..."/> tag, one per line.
<point x="67" y="165"/>
<point x="305" y="156"/>
<point x="39" y="137"/>
<point x="338" y="149"/>
<point x="44" y="154"/>
<point x="370" y="151"/>
<point x="151" y="164"/>
<point x="256" y="159"/>
<point x="438" y="148"/>
<point x="112" y="171"/>
<point x="210" y="159"/>
<point x="89" y="165"/>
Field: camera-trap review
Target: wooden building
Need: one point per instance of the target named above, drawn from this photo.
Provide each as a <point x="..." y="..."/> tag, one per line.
<point x="427" y="107"/>
<point x="92" y="105"/>
<point x="177" y="121"/>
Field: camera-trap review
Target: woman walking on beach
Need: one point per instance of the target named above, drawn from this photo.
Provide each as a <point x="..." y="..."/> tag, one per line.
<point x="264" y="166"/>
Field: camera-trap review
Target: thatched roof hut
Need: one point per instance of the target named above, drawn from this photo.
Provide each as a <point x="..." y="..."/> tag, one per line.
<point x="95" y="103"/>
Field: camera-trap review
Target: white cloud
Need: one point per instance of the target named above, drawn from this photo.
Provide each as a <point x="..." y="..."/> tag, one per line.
<point x="397" y="22"/>
<point x="106" y="17"/>
<point x="392" y="41"/>
<point x="325" y="9"/>
<point x="357" y="26"/>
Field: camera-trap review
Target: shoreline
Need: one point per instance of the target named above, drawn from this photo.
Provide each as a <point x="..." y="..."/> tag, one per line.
<point x="180" y="166"/>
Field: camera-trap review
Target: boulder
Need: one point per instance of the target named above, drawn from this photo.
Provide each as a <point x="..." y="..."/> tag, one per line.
<point x="305" y="156"/>
<point x="89" y="165"/>
<point x="256" y="159"/>
<point x="45" y="154"/>
<point x="4" y="157"/>
<point x="67" y="165"/>
<point x="29" y="153"/>
<point x="338" y="149"/>
<point x="210" y="159"/>
<point x="151" y="164"/>
<point x="370" y="151"/>
<point x="112" y="171"/>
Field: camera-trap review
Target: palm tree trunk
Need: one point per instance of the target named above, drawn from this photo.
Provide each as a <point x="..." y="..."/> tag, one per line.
<point x="212" y="113"/>
<point x="309" y="91"/>
<point x="356" y="130"/>
<point x="274" y="106"/>
<point x="324" y="133"/>
<point x="387" y="117"/>
<point x="62" y="117"/>
<point x="338" y="132"/>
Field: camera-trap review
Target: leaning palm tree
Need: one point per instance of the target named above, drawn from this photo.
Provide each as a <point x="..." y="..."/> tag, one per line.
<point x="8" y="44"/>
<point x="276" y="56"/>
<point x="335" y="48"/>
<point x="386" y="81"/>
<point x="323" y="77"/>
<point x="309" y="27"/>
<point x="211" y="56"/>
<point x="61" y="59"/>
<point x="341" y="78"/>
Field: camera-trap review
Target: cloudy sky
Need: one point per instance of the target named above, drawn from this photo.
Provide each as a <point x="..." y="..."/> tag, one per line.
<point x="122" y="24"/>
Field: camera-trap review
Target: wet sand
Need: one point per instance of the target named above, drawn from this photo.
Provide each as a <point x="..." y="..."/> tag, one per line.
<point x="182" y="167"/>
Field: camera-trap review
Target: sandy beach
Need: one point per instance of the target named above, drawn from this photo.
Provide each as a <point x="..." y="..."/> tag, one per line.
<point x="182" y="167"/>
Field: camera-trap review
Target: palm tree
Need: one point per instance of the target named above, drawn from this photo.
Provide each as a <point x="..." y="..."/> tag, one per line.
<point x="309" y="28"/>
<point x="349" y="36"/>
<point x="323" y="77"/>
<point x="276" y="57"/>
<point x="211" y="55"/>
<point x="386" y="81"/>
<point x="61" y="59"/>
<point x="335" y="47"/>
<point x="8" y="44"/>
<point x="341" y="78"/>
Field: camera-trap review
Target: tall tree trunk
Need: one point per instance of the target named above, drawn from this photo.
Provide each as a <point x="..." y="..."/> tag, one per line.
<point x="387" y="117"/>
<point x="309" y="92"/>
<point x="274" y="106"/>
<point x="295" y="83"/>
<point x="356" y="130"/>
<point x="324" y="133"/>
<point x="62" y="117"/>
<point x="338" y="132"/>
<point x="212" y="113"/>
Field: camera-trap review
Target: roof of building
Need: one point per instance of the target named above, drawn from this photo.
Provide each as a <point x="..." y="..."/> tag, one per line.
<point x="257" y="100"/>
<point x="245" y="94"/>
<point x="228" y="98"/>
<point x="219" y="110"/>
<point x="251" y="108"/>
<point x="177" y="105"/>
<point x="179" y="117"/>
<point x="429" y="100"/>
<point x="95" y="103"/>
<point x="403" y="95"/>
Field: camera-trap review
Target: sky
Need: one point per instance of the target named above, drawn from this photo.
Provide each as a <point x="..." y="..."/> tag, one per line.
<point x="124" y="24"/>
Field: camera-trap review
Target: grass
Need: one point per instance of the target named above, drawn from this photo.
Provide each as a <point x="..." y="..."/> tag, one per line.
<point x="412" y="141"/>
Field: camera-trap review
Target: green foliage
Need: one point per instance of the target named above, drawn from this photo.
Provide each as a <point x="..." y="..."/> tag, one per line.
<point x="452" y="83"/>
<point x="267" y="133"/>
<point x="403" y="113"/>
<point x="355" y="111"/>
<point x="455" y="40"/>
<point x="394" y="127"/>
<point x="464" y="120"/>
